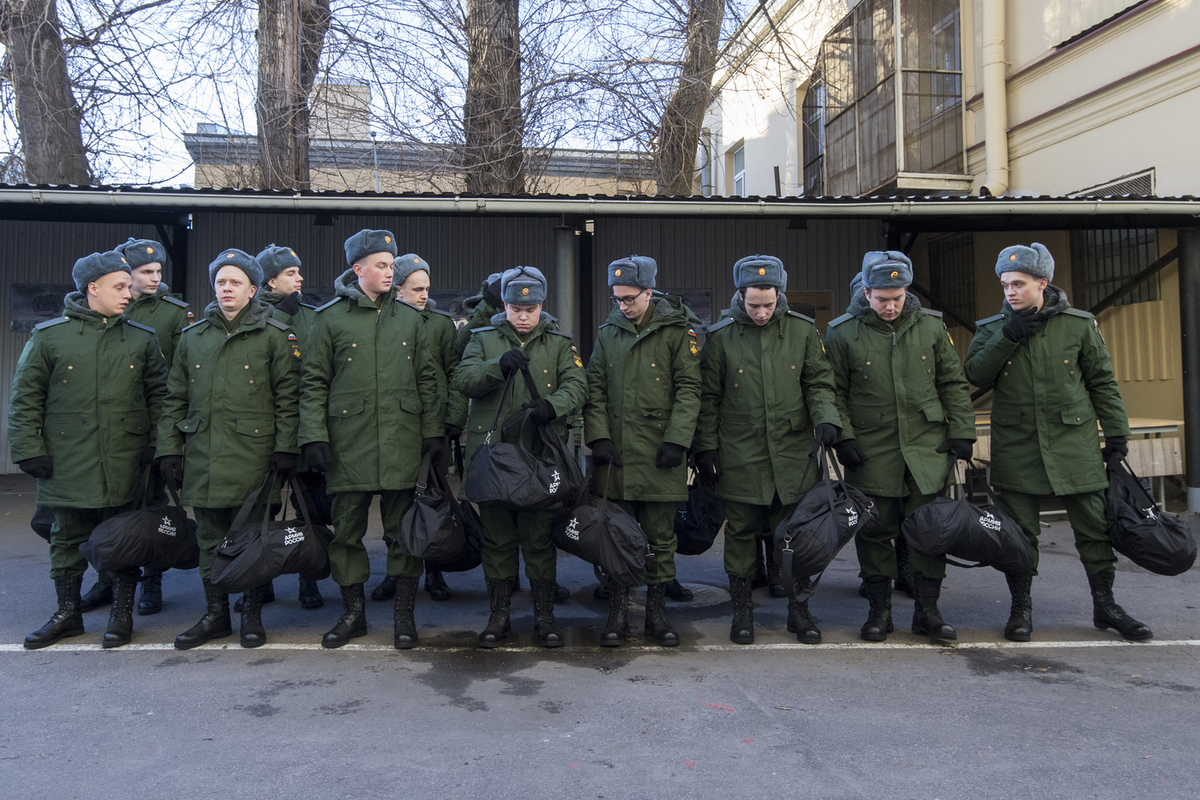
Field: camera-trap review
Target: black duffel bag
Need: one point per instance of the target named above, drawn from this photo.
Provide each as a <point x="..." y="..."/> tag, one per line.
<point x="254" y="553"/>
<point x="698" y="519"/>
<point x="946" y="527"/>
<point x="606" y="536"/>
<point x="158" y="538"/>
<point x="823" y="522"/>
<point x="436" y="528"/>
<point x="1138" y="530"/>
<point x="519" y="479"/>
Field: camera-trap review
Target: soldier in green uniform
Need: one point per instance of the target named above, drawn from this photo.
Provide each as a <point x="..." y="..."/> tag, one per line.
<point x="369" y="410"/>
<point x="87" y="390"/>
<point x="482" y="307"/>
<point x="1052" y="379"/>
<point x="521" y="336"/>
<point x="642" y="402"/>
<point x="230" y="417"/>
<point x="282" y="290"/>
<point x="766" y="404"/>
<point x="904" y="405"/>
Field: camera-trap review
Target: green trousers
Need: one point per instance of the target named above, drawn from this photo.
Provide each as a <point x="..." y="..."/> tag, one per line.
<point x="212" y="525"/>
<point x="507" y="532"/>
<point x="877" y="554"/>
<point x="1086" y="514"/>
<point x="744" y="525"/>
<point x="72" y="527"/>
<point x="348" y="559"/>
<point x="658" y="522"/>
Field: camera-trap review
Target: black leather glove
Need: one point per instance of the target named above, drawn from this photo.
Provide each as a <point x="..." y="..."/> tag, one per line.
<point x="605" y="452"/>
<point x="708" y="465"/>
<point x="318" y="455"/>
<point x="1021" y="324"/>
<point x="1114" y="446"/>
<point x="850" y="454"/>
<point x="453" y="432"/>
<point x="669" y="455"/>
<point x="147" y="457"/>
<point x="284" y="464"/>
<point x="543" y="411"/>
<point x="171" y="469"/>
<point x="491" y="295"/>
<point x="38" y="466"/>
<point x="439" y="453"/>
<point x="513" y="361"/>
<point x="290" y="305"/>
<point x="824" y="435"/>
<point x="963" y="449"/>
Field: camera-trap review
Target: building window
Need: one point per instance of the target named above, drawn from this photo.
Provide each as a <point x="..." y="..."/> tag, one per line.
<point x="1102" y="261"/>
<point x="952" y="275"/>
<point x="739" y="172"/>
<point x="812" y="138"/>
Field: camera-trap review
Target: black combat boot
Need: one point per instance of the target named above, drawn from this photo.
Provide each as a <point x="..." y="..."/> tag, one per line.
<point x="761" y="575"/>
<point x="677" y="591"/>
<point x="741" y="631"/>
<point x="386" y="589"/>
<point x="904" y="574"/>
<point x="404" y="626"/>
<point x="561" y="593"/>
<point x="601" y="592"/>
<point x="310" y="595"/>
<point x="656" y="616"/>
<point x="879" y="620"/>
<point x="214" y="624"/>
<point x="99" y="595"/>
<point x="435" y="584"/>
<point x="120" y="614"/>
<point x="1107" y="614"/>
<point x="927" y="620"/>
<point x="150" y="601"/>
<point x="353" y="621"/>
<point x="67" y="620"/>
<point x="617" y="627"/>
<point x="544" y="627"/>
<point x="1020" y="616"/>
<point x="253" y="633"/>
<point x="499" y="623"/>
<point x="268" y="596"/>
<point x="800" y="621"/>
<point x="775" y="585"/>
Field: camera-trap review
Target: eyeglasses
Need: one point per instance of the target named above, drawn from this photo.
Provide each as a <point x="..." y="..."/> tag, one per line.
<point x="625" y="301"/>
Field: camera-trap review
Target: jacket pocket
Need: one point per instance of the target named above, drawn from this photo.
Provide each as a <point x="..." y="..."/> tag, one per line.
<point x="934" y="412"/>
<point x="136" y="422"/>
<point x="1006" y="416"/>
<point x="190" y="425"/>
<point x="409" y="401"/>
<point x="346" y="406"/>
<point x="255" y="426"/>
<point x="1078" y="413"/>
<point x="867" y="418"/>
<point x="800" y="419"/>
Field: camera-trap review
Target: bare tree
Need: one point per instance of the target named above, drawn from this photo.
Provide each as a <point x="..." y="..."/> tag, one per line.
<point x="493" y="129"/>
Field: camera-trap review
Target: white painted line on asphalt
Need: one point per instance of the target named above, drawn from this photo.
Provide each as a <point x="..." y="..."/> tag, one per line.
<point x="733" y="648"/>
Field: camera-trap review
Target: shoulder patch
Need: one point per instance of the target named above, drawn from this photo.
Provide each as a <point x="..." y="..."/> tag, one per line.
<point x="929" y="312"/>
<point x="993" y="318"/>
<point x="798" y="315"/>
<point x="1078" y="312"/>
<point x="484" y="328"/>
<point x="445" y="314"/>
<point x="606" y="324"/>
<point x="146" y="328"/>
<point x="283" y="326"/>
<point x="175" y="301"/>
<point x="332" y="302"/>
<point x="725" y="323"/>
<point x="308" y="305"/>
<point x="50" y="323"/>
<point x="562" y="333"/>
<point x="843" y="318"/>
<point x="194" y="324"/>
<point x="575" y="356"/>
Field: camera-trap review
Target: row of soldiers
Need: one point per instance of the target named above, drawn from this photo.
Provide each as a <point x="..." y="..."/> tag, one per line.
<point x="360" y="389"/>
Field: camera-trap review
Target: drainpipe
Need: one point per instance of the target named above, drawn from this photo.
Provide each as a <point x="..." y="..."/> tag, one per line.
<point x="1189" y="319"/>
<point x="566" y="265"/>
<point x="995" y="98"/>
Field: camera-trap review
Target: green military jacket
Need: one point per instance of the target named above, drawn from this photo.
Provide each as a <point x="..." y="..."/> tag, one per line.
<point x="643" y="390"/>
<point x="86" y="393"/>
<point x="762" y="391"/>
<point x="441" y="332"/>
<point x="369" y="389"/>
<point x="231" y="403"/>
<point x="901" y="393"/>
<point x="554" y="364"/>
<point x="300" y="323"/>
<point x="163" y="314"/>
<point x="1049" y="391"/>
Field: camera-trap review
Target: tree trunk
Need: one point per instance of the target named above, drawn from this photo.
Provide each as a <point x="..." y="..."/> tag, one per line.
<point x="679" y="129"/>
<point x="48" y="116"/>
<point x="291" y="34"/>
<point x="493" y="126"/>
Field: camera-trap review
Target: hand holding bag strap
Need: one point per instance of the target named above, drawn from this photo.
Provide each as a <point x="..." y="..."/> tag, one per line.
<point x="423" y="475"/>
<point x="529" y="384"/>
<point x="508" y="385"/>
<point x="244" y="512"/>
<point x="1125" y="475"/>
<point x="301" y="502"/>
<point x="173" y="491"/>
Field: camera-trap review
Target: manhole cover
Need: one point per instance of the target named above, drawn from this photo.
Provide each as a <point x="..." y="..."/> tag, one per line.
<point x="703" y="594"/>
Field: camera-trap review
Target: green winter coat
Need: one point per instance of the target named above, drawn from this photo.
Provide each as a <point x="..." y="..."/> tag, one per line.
<point x="901" y="393"/>
<point x="762" y="391"/>
<point x="554" y="364"/>
<point x="1049" y="391"/>
<point x="164" y="315"/>
<point x="439" y="326"/>
<point x="370" y="390"/>
<point x="87" y="392"/>
<point x="643" y="390"/>
<point x="231" y="403"/>
<point x="301" y="322"/>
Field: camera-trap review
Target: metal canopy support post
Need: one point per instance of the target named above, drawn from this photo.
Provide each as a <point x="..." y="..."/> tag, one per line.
<point x="1189" y="319"/>
<point x="566" y="265"/>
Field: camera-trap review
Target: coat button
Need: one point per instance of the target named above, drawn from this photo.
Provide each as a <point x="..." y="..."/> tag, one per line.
<point x="739" y="372"/>
<point x="343" y="411"/>
<point x="1072" y="372"/>
<point x="1010" y="363"/>
<point x="197" y="366"/>
<point x="1006" y="374"/>
<point x="868" y="363"/>
<point x="923" y="358"/>
<point x="404" y="344"/>
<point x="64" y="381"/>
<point x="251" y="383"/>
<point x="1066" y="361"/>
<point x="131" y="366"/>
<point x="246" y="367"/>
<point x="793" y="366"/>
<point x="545" y="371"/>
<point x="349" y="359"/>
<point x="354" y="344"/>
<point x="70" y="368"/>
<point x="652" y="363"/>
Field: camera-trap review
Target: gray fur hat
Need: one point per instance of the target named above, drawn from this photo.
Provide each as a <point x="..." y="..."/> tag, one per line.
<point x="366" y="242"/>
<point x="759" y="271"/>
<point x="523" y="286"/>
<point x="856" y="284"/>
<point x="886" y="269"/>
<point x="96" y="266"/>
<point x="236" y="258"/>
<point x="639" y="271"/>
<point x="1034" y="260"/>
<point x="274" y="260"/>
<point x="406" y="265"/>
<point x="140" y="252"/>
